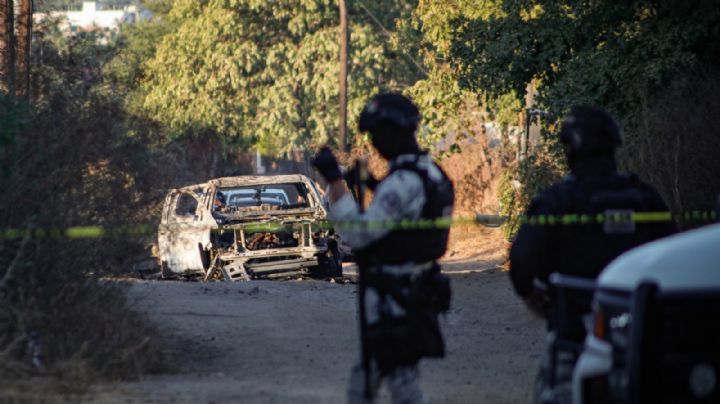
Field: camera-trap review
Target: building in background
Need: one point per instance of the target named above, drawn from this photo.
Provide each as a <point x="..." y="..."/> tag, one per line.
<point x="95" y="16"/>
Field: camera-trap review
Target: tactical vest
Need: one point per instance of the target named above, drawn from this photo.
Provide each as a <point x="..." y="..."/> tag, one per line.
<point x="419" y="245"/>
<point x="585" y="249"/>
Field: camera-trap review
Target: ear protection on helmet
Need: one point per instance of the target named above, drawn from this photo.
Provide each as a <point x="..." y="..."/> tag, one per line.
<point x="381" y="110"/>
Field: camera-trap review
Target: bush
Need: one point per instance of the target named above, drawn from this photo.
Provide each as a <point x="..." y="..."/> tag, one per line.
<point x="68" y="162"/>
<point x="524" y="179"/>
<point x="676" y="144"/>
<point x="674" y="147"/>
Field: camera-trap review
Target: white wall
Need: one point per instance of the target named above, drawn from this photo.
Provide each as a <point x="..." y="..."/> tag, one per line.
<point x="90" y="17"/>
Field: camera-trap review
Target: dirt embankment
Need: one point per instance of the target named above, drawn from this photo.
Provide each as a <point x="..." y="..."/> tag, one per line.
<point x="475" y="172"/>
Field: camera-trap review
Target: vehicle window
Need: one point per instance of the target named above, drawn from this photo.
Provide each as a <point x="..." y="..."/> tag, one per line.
<point x="186" y="206"/>
<point x="241" y="202"/>
<point x="272" y="196"/>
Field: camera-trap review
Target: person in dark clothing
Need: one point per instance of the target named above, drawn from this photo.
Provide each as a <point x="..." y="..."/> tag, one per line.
<point x="590" y="136"/>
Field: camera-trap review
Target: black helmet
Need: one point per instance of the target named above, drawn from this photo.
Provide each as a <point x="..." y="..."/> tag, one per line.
<point x="590" y="130"/>
<point x="390" y="109"/>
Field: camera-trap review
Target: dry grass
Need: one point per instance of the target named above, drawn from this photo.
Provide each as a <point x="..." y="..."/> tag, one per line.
<point x="475" y="172"/>
<point x="477" y="243"/>
<point x="84" y="328"/>
<point x="70" y="163"/>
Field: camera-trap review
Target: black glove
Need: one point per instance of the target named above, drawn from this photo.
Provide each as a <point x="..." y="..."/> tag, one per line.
<point x="326" y="163"/>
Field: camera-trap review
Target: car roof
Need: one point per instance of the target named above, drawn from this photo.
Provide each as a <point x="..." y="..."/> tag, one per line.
<point x="690" y="260"/>
<point x="259" y="179"/>
<point x="243" y="191"/>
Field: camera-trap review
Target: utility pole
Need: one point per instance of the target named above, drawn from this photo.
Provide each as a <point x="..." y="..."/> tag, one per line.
<point x="3" y="45"/>
<point x="525" y="141"/>
<point x="24" y="25"/>
<point x="11" y="44"/>
<point x="344" y="39"/>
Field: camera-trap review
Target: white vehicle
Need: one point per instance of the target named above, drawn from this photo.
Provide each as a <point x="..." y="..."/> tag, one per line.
<point x="248" y="227"/>
<point x="656" y="325"/>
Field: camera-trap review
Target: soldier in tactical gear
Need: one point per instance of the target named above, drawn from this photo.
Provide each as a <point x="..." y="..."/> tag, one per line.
<point x="590" y="136"/>
<point x="402" y="289"/>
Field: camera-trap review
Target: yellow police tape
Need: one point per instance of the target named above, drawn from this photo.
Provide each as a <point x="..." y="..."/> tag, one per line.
<point x="138" y="230"/>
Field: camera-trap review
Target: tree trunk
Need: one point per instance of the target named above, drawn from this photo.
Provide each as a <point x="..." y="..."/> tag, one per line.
<point x="24" y="39"/>
<point x="7" y="47"/>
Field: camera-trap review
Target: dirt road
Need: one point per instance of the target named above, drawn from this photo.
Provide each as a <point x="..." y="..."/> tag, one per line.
<point x="294" y="342"/>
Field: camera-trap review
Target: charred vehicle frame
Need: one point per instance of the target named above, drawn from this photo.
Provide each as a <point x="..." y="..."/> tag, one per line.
<point x="248" y="227"/>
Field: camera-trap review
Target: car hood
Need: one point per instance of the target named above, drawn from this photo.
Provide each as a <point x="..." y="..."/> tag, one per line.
<point x="687" y="261"/>
<point x="271" y="215"/>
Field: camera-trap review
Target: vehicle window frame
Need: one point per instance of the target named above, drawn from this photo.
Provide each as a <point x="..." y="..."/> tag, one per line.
<point x="176" y="215"/>
<point x="277" y="191"/>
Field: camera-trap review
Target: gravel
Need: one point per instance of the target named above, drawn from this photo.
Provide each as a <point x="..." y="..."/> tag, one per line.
<point x="295" y="341"/>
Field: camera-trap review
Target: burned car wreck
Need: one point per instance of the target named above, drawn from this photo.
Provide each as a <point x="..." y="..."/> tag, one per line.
<point x="247" y="227"/>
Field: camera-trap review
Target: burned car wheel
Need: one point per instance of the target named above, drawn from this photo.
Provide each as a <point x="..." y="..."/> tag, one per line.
<point x="165" y="272"/>
<point x="329" y="264"/>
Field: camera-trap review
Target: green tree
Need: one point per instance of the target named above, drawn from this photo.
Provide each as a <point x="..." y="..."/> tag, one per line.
<point x="255" y="71"/>
<point x="135" y="46"/>
<point x="449" y="108"/>
<point x="638" y="59"/>
<point x="616" y="54"/>
<point x="65" y="162"/>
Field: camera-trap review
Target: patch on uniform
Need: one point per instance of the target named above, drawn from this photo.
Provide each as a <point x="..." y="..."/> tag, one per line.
<point x="619" y="221"/>
<point x="390" y="202"/>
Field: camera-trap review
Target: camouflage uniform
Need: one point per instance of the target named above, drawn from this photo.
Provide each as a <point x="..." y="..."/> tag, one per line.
<point x="401" y="195"/>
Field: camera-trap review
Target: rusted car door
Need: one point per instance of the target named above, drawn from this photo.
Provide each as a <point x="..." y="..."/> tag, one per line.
<point x="185" y="229"/>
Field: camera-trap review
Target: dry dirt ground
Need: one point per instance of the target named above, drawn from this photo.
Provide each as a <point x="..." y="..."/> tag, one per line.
<point x="294" y="341"/>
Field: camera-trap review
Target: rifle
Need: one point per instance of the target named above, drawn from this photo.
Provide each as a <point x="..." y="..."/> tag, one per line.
<point x="361" y="176"/>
